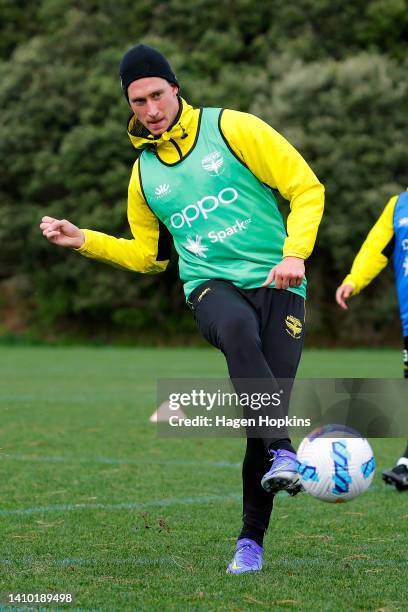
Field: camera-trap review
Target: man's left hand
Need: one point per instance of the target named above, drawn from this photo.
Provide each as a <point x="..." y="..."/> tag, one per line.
<point x="290" y="272"/>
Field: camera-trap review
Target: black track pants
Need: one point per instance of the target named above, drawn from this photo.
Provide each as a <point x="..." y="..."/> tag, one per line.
<point x="254" y="329"/>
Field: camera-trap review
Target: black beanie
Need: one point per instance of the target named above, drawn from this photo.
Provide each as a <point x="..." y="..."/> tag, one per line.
<point x="142" y="61"/>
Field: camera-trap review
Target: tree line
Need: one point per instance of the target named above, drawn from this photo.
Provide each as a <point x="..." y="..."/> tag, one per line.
<point x="330" y="76"/>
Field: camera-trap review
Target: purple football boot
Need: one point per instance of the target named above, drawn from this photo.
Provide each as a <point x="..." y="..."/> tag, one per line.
<point x="283" y="474"/>
<point x="247" y="558"/>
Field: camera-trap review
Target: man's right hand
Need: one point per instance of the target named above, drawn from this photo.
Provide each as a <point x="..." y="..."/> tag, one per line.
<point x="62" y="232"/>
<point x="343" y="293"/>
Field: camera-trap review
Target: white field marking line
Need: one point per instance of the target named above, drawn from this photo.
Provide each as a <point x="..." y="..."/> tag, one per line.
<point x="163" y="560"/>
<point x="172" y="501"/>
<point x="114" y="461"/>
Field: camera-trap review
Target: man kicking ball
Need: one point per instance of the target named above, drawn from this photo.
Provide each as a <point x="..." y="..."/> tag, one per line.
<point x="203" y="174"/>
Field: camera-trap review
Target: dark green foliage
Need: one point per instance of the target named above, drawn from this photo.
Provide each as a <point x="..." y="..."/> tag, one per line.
<point x="349" y="119"/>
<point x="332" y="79"/>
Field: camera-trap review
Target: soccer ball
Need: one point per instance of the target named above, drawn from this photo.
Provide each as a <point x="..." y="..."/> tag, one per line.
<point x="335" y="463"/>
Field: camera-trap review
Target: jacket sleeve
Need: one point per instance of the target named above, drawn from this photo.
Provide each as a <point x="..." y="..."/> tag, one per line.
<point x="277" y="164"/>
<point x="373" y="256"/>
<point x="149" y="249"/>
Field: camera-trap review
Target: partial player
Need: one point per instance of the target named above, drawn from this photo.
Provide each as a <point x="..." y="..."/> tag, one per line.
<point x="387" y="238"/>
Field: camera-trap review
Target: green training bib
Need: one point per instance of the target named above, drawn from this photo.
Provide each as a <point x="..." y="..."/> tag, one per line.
<point x="225" y="223"/>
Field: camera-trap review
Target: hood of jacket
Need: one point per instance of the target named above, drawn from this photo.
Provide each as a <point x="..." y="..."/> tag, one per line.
<point x="173" y="144"/>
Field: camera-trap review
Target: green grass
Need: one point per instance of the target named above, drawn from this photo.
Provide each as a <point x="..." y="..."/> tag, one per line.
<point x="93" y="502"/>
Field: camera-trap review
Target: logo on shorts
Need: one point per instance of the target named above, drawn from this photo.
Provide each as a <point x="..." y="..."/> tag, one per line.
<point x="293" y="327"/>
<point x="403" y="222"/>
<point x="213" y="163"/>
<point x="203" y="293"/>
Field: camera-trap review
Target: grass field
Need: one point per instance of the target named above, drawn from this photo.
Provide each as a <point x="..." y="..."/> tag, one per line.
<point x="92" y="502"/>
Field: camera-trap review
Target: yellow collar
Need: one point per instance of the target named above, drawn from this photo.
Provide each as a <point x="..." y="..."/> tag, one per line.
<point x="178" y="132"/>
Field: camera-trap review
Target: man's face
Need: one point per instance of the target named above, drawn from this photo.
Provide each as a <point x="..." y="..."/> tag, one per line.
<point x="154" y="101"/>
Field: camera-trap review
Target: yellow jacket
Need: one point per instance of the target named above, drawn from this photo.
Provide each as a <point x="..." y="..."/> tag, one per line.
<point x="373" y="257"/>
<point x="265" y="152"/>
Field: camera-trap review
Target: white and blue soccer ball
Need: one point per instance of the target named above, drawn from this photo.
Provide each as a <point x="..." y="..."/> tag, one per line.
<point x="335" y="464"/>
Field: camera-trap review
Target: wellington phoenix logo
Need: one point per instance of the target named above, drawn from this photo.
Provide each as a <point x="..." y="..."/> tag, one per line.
<point x="293" y="326"/>
<point x="162" y="190"/>
<point x="213" y="163"/>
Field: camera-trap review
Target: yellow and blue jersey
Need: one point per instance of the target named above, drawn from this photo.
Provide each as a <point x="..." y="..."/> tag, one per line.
<point x="387" y="238"/>
<point x="400" y="221"/>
